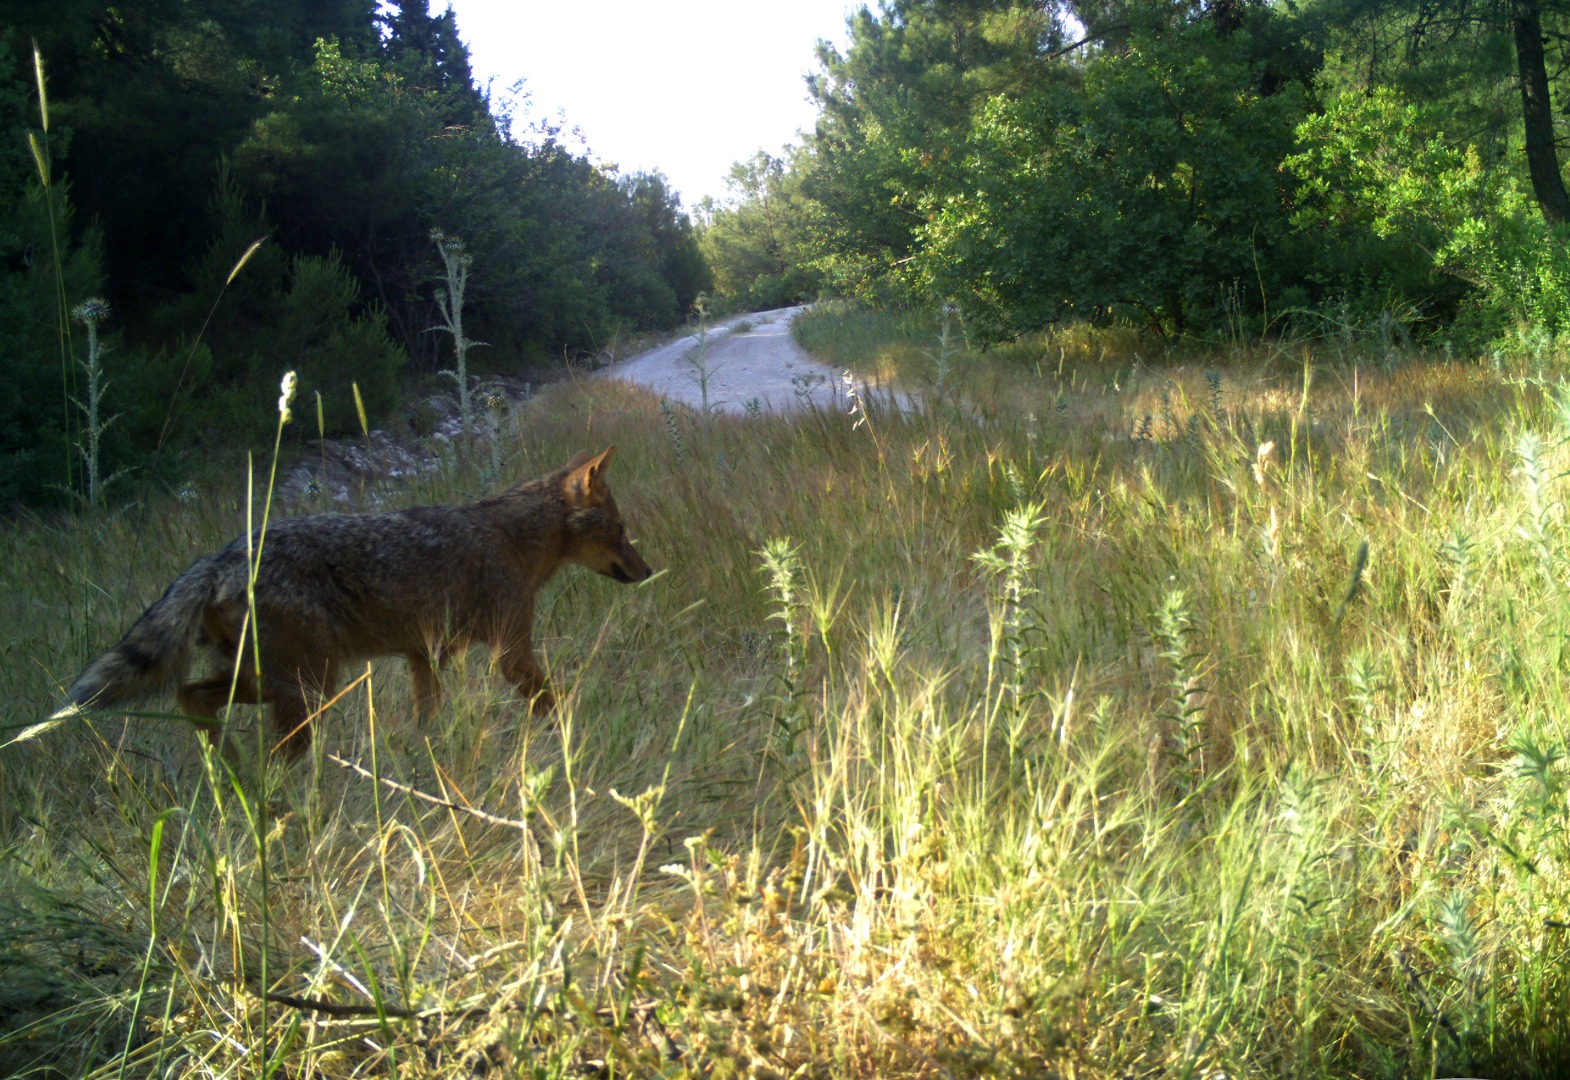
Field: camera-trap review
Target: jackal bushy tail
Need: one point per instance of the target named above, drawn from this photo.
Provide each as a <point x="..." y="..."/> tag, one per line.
<point x="156" y="651"/>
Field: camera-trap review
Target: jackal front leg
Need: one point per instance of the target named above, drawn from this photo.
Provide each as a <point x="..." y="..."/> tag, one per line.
<point x="523" y="671"/>
<point x="427" y="690"/>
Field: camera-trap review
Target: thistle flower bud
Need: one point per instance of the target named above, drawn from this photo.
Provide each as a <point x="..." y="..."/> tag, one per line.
<point x="91" y="312"/>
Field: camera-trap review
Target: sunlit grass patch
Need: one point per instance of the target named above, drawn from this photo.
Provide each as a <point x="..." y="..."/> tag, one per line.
<point x="1014" y="734"/>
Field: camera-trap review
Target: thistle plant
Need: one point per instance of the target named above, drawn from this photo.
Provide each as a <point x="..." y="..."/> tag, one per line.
<point x="1184" y="714"/>
<point x="1540" y="528"/>
<point x="1459" y="934"/>
<point x="1213" y="384"/>
<point x="782" y="568"/>
<point x="783" y="580"/>
<point x="702" y="371"/>
<point x="1010" y="562"/>
<point x="1168" y="414"/>
<point x="1016" y="482"/>
<point x="255" y="538"/>
<point x="943" y="359"/>
<point x="1459" y="554"/>
<point x="804" y="385"/>
<point x="90" y="313"/>
<point x="1350" y="862"/>
<point x="1365" y="682"/>
<point x="449" y="301"/>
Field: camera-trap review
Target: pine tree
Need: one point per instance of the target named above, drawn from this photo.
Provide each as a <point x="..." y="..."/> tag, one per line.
<point x="427" y="53"/>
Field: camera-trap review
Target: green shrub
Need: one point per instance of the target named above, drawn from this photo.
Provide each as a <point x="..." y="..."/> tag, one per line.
<point x="1438" y="225"/>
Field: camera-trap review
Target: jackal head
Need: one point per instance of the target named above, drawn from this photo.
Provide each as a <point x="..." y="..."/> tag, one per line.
<point x="596" y="537"/>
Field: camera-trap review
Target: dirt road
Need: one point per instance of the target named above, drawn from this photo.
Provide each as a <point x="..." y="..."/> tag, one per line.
<point x="747" y="358"/>
<point x="750" y="358"/>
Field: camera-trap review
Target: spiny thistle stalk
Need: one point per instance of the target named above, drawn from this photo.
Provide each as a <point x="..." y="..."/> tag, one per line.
<point x="1459" y="934"/>
<point x="782" y="568"/>
<point x="1010" y="561"/>
<point x="803" y="385"/>
<point x="1541" y="527"/>
<point x="1213" y="382"/>
<point x="1015" y="481"/>
<point x="1364" y="683"/>
<point x="90" y="313"/>
<point x="702" y="373"/>
<point x="1173" y="631"/>
<point x="1538" y="765"/>
<point x="449" y="301"/>
<point x="1458" y="552"/>
<point x="943" y="360"/>
<point x="783" y="580"/>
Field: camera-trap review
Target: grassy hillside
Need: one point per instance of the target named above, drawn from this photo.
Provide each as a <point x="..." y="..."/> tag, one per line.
<point x="1066" y="728"/>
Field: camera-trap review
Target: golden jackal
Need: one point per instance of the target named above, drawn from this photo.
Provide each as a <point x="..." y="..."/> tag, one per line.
<point x="332" y="589"/>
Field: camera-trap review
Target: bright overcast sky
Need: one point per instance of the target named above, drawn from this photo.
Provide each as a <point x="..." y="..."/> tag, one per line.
<point x="683" y="86"/>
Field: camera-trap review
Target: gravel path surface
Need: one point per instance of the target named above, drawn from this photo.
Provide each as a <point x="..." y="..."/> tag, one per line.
<point x="744" y="359"/>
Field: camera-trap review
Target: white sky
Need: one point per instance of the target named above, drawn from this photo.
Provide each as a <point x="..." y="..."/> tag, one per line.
<point x="683" y="86"/>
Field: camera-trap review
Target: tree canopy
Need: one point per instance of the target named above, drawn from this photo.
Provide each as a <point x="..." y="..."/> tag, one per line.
<point x="1181" y="165"/>
<point x="338" y="133"/>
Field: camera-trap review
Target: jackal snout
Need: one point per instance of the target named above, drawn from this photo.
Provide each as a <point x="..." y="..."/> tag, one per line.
<point x="596" y="537"/>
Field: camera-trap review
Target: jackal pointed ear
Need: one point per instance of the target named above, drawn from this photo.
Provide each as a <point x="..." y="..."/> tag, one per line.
<point x="585" y="484"/>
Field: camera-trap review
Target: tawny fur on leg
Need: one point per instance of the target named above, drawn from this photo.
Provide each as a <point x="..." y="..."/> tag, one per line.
<point x="520" y="668"/>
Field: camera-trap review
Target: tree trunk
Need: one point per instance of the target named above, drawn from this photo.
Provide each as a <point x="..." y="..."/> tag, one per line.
<point x="1537" y="111"/>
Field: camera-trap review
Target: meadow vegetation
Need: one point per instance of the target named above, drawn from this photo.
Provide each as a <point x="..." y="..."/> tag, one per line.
<point x="1177" y="689"/>
<point x="1125" y="710"/>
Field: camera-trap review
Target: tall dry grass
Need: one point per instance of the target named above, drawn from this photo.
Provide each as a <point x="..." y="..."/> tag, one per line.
<point x="1058" y="728"/>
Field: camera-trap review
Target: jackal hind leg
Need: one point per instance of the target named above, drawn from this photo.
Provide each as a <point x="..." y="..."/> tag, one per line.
<point x="296" y="698"/>
<point x="204" y="701"/>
